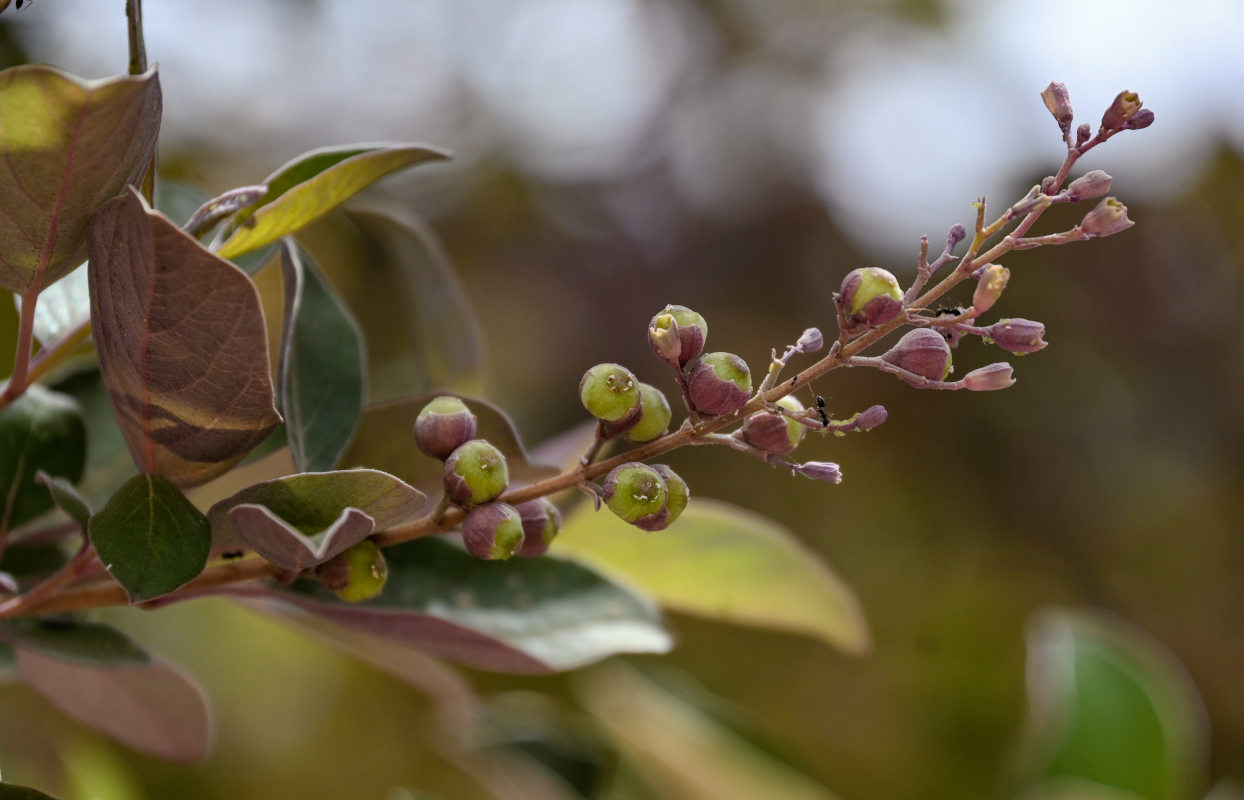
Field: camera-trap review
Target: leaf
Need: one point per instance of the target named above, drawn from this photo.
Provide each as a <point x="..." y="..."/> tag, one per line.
<point x="41" y="430"/>
<point x="11" y="791"/>
<point x="8" y="662"/>
<point x="315" y="183"/>
<point x="385" y="440"/>
<point x="62" y="307"/>
<point x="151" y="707"/>
<point x="1109" y="706"/>
<point x="68" y="146"/>
<point x="421" y="331"/>
<point x="85" y="643"/>
<point x="280" y="543"/>
<point x="523" y="615"/>
<point x="66" y="498"/>
<point x="681" y="750"/>
<point x="182" y="345"/>
<point x="150" y="537"/>
<point x="722" y="562"/>
<point x="322" y="362"/>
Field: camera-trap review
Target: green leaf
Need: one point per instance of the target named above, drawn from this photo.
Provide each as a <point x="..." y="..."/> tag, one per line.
<point x="182" y="345"/>
<point x="41" y="430"/>
<point x="1109" y="707"/>
<point x="85" y="643"/>
<point x="149" y="707"/>
<point x="303" y="520"/>
<point x="11" y="791"/>
<point x="68" y="145"/>
<point x="315" y="183"/>
<point x="150" y="537"/>
<point x="682" y="751"/>
<point x="421" y="331"/>
<point x="322" y="363"/>
<point x="523" y="615"/>
<point x="66" y="498"/>
<point x="385" y="440"/>
<point x="725" y="563"/>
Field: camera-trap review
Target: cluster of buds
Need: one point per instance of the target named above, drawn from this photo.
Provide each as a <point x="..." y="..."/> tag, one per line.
<point x="475" y="475"/>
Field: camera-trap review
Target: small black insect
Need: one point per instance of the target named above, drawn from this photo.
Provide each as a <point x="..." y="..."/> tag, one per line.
<point x="231" y="554"/>
<point x="820" y="409"/>
<point x="948" y="311"/>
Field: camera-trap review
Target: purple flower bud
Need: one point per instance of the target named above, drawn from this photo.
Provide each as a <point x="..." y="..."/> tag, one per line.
<point x="956" y="234"/>
<point x="1107" y="219"/>
<point x="1143" y="119"/>
<point x="869" y="297"/>
<point x="1083" y="133"/>
<point x="493" y="531"/>
<point x="871" y="417"/>
<point x="1125" y="106"/>
<point x="719" y="383"/>
<point x="541" y="524"/>
<point x="820" y="471"/>
<point x="1017" y="335"/>
<point x="1058" y="101"/>
<point x="691" y="328"/>
<point x="443" y="425"/>
<point x="989" y="288"/>
<point x="1089" y="185"/>
<point x="990" y="378"/>
<point x="475" y="473"/>
<point x="810" y="342"/>
<point x="923" y="351"/>
<point x="635" y="492"/>
<point x="772" y="433"/>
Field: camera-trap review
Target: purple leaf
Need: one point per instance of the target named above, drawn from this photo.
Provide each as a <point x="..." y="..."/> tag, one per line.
<point x="280" y="543"/>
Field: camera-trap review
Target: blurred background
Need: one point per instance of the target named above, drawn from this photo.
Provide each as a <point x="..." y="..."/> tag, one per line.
<point x="739" y="157"/>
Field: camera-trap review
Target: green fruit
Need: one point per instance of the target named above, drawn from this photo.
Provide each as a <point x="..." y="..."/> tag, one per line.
<point x="476" y="473"/>
<point x="609" y="392"/>
<point x="444" y="425"/>
<point x="367" y="572"/>
<point x="634" y="491"/>
<point x="654" y="419"/>
<point x="677" y="493"/>
<point x="493" y="532"/>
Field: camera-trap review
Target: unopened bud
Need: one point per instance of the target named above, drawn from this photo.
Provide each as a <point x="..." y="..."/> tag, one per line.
<point x="541" y="524"/>
<point x="869" y="297"/>
<point x="356" y="575"/>
<point x="871" y="417"/>
<point x="1143" y="119"/>
<point x="820" y="471"/>
<point x="989" y="288"/>
<point x="609" y="392"/>
<point x="922" y="351"/>
<point x="443" y="425"/>
<point x="654" y="417"/>
<point x="1083" y="133"/>
<point x="1089" y="186"/>
<point x="691" y="328"/>
<point x="773" y="433"/>
<point x="493" y="531"/>
<point x="1108" y="218"/>
<point x="1125" y="106"/>
<point x="1058" y="101"/>
<point x="810" y="341"/>
<point x="1017" y="335"/>
<point x="635" y="492"/>
<point x="475" y="473"/>
<point x="956" y="234"/>
<point x="990" y="378"/>
<point x="1037" y="198"/>
<point x="719" y="383"/>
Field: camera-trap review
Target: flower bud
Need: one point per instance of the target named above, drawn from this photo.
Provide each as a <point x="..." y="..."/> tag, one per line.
<point x="811" y="341"/>
<point x="691" y="328"/>
<point x="1089" y="185"/>
<point x="635" y="492"/>
<point x="923" y="351"/>
<point x="990" y="378"/>
<point x="1083" y="133"/>
<point x="1142" y="119"/>
<point x="475" y="473"/>
<point x="1058" y="101"/>
<point x="493" y="531"/>
<point x="541" y="524"/>
<point x="677" y="493"/>
<point x="869" y="297"/>
<point x="871" y="417"/>
<point x="773" y="433"/>
<point x="654" y="417"/>
<point x="443" y="425"/>
<point x="1125" y="106"/>
<point x="1016" y="335"/>
<point x="1107" y="219"/>
<point x="820" y="471"/>
<point x="989" y="288"/>
<point x="719" y="383"/>
<point x="356" y="575"/>
<point x="609" y="392"/>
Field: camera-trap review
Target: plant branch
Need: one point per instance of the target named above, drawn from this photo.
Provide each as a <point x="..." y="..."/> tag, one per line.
<point x="20" y="378"/>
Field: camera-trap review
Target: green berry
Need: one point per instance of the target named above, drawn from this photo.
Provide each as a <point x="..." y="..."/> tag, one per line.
<point x="443" y="425"/>
<point x="677" y="493"/>
<point x="366" y="572"/>
<point x="869" y="297"/>
<point x="493" y="531"/>
<point x="609" y="392"/>
<point x="475" y="473"/>
<point x="654" y="418"/>
<point x="634" y="491"/>
<point x="719" y="383"/>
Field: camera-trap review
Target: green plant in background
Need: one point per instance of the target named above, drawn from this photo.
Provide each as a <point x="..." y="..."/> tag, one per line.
<point x="284" y="487"/>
